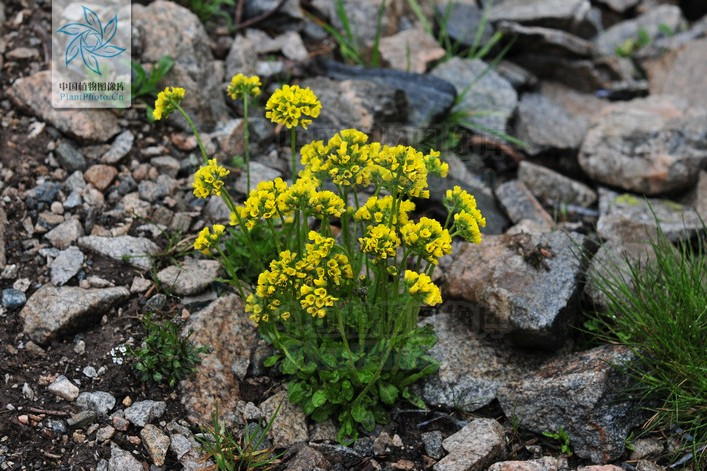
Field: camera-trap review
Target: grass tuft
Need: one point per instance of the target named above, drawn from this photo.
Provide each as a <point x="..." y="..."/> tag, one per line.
<point x="661" y="315"/>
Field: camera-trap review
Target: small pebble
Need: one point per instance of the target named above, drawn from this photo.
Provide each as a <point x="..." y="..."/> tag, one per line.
<point x="13" y="298"/>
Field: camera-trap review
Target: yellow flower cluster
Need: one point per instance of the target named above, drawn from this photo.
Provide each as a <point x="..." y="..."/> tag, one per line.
<point x="467" y="217"/>
<point x="242" y="85"/>
<point x="381" y="242"/>
<point x="419" y="284"/>
<point x="208" y="240"/>
<point x="326" y="204"/>
<point x="293" y="106"/>
<point x="315" y="278"/>
<point x="208" y="180"/>
<point x="404" y="168"/>
<point x="380" y="210"/>
<point x="434" y="165"/>
<point x="167" y="101"/>
<point x="427" y="239"/>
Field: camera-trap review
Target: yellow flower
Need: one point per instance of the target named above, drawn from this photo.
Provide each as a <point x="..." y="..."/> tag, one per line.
<point x="381" y="241"/>
<point x="298" y="195"/>
<point x="401" y="170"/>
<point x="208" y="180"/>
<point x="349" y="160"/>
<point x="315" y="300"/>
<point x="326" y="203"/>
<point x="167" y="101"/>
<point x="293" y="106"/>
<point x="427" y="239"/>
<point x="206" y="240"/>
<point x="263" y="202"/>
<point x="241" y="85"/>
<point x="421" y="285"/>
<point x="467" y="227"/>
<point x="378" y="210"/>
<point x="434" y="165"/>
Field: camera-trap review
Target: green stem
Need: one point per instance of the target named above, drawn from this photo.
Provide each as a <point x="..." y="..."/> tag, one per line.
<point x="246" y="140"/>
<point x="196" y="134"/>
<point x="293" y="139"/>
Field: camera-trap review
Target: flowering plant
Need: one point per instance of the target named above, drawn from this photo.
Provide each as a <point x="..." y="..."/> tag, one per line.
<point x="341" y="299"/>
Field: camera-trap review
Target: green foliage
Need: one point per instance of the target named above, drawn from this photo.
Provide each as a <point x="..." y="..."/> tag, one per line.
<point x="563" y="439"/>
<point x="164" y="355"/>
<point x="349" y="45"/>
<point x="245" y="261"/>
<point x="238" y="452"/>
<point x="477" y="50"/>
<point x="208" y="10"/>
<point x="661" y="315"/>
<point x="144" y="86"/>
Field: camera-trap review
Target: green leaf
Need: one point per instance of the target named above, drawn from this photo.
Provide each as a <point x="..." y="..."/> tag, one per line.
<point x="319" y="398"/>
<point x="363" y="416"/>
<point x="271" y="360"/>
<point x="413" y="398"/>
<point x="298" y="391"/>
<point x="288" y="367"/>
<point x="364" y="376"/>
<point x="388" y="393"/>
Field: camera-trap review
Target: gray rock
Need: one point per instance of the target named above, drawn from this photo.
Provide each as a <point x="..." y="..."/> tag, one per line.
<point x="75" y="182"/>
<point x="13" y="298"/>
<point x="524" y="283"/>
<point x="100" y="402"/>
<point x="490" y="92"/>
<point x="154" y="191"/>
<point x="462" y="21"/>
<point x="54" y="312"/>
<point x="289" y="43"/>
<point x="74" y="200"/>
<point x="242" y="57"/>
<point x="66" y="265"/>
<point x="519" y="203"/>
<point x="554" y="188"/>
<point x="652" y="145"/>
<point x="191" y="277"/>
<point x="63" y="235"/>
<point x="548" y="40"/>
<point x="472" y="364"/>
<point x="643" y="448"/>
<point x="542" y="464"/>
<point x="631" y="218"/>
<point x="156" y="443"/>
<point x="119" y="148"/>
<point x="339" y="454"/>
<point x="474" y="447"/>
<point x="104" y="434"/>
<point x="410" y="50"/>
<point x="668" y="15"/>
<point x="428" y="97"/>
<point x="88" y="125"/>
<point x="258" y="173"/>
<point x="680" y="72"/>
<point x="584" y="394"/>
<point x="183" y="37"/>
<point x="69" y="157"/>
<point x="290" y="425"/>
<point x="569" y="15"/>
<point x="306" y="459"/>
<point x="166" y="165"/>
<point x="143" y="412"/>
<point x="546" y="125"/>
<point x="290" y="8"/>
<point x="81" y="419"/>
<point x="3" y="224"/>
<point x="433" y="444"/>
<point x="357" y="104"/>
<point x="516" y="75"/>
<point x="64" y="388"/>
<point x="121" y="460"/>
<point x="224" y="327"/>
<point x="620" y="6"/>
<point x="611" y="264"/>
<point x="137" y="250"/>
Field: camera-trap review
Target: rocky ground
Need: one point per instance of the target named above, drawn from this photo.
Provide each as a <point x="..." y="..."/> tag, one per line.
<point x="97" y="220"/>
